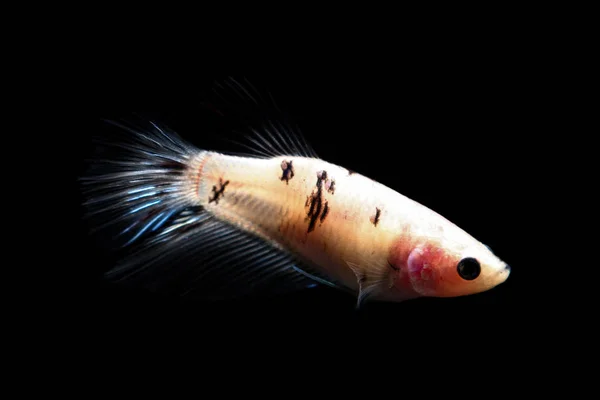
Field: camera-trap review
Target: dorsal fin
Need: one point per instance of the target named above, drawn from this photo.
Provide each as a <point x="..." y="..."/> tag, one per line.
<point x="267" y="130"/>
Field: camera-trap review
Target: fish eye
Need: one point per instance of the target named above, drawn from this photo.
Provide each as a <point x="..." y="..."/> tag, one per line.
<point x="468" y="268"/>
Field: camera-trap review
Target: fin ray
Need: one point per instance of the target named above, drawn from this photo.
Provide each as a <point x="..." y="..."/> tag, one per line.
<point x="370" y="278"/>
<point x="193" y="267"/>
<point x="138" y="186"/>
<point x="243" y="99"/>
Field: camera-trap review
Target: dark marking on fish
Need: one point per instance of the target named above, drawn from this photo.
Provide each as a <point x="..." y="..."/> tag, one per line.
<point x="288" y="171"/>
<point x="375" y="219"/>
<point x="218" y="193"/>
<point x="313" y="213"/>
<point x="325" y="212"/>
<point x="392" y="267"/>
<point x="350" y="172"/>
<point x="318" y="207"/>
<point x="330" y="185"/>
<point x="321" y="176"/>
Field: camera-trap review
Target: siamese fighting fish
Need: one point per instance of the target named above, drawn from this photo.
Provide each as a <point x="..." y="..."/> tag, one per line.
<point x="223" y="225"/>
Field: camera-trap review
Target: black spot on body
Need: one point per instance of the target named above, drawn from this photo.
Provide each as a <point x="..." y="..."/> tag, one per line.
<point x="330" y="186"/>
<point x="218" y="193"/>
<point x="318" y="208"/>
<point x="325" y="212"/>
<point x="288" y="171"/>
<point x="375" y="218"/>
<point x="313" y="214"/>
<point x="321" y="176"/>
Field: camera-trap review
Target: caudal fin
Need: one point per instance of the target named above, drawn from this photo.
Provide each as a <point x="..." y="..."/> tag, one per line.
<point x="141" y="196"/>
<point x="138" y="184"/>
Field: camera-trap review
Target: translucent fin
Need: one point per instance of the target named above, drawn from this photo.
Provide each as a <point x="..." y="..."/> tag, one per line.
<point x="140" y="198"/>
<point x="318" y="279"/>
<point x="136" y="185"/>
<point x="268" y="130"/>
<point x="371" y="278"/>
<point x="199" y="263"/>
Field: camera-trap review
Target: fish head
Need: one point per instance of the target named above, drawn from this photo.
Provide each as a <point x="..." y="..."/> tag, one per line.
<point x="443" y="267"/>
<point x="449" y="271"/>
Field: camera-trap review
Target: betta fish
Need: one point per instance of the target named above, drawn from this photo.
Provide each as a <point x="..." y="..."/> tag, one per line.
<point x="223" y="225"/>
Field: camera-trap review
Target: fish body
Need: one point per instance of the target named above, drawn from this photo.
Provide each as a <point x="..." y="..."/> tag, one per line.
<point x="206" y="221"/>
<point x="344" y="224"/>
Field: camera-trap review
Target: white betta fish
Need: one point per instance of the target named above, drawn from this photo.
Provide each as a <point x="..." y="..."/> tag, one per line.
<point x="222" y="224"/>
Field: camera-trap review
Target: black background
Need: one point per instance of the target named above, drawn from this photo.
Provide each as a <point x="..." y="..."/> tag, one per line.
<point x="447" y="136"/>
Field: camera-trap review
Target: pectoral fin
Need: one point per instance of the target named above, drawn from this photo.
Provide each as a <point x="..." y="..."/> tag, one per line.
<point x="371" y="280"/>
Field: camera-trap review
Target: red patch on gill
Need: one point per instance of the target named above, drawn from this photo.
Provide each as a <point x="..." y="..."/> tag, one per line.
<point x="419" y="265"/>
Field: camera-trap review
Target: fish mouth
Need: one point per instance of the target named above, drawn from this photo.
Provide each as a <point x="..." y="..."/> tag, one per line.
<point x="505" y="272"/>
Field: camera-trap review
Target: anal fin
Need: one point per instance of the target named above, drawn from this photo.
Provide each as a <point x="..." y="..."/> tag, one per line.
<point x="213" y="261"/>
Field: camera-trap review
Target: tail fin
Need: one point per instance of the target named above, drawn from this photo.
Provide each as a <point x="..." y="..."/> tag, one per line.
<point x="138" y="184"/>
<point x="140" y="189"/>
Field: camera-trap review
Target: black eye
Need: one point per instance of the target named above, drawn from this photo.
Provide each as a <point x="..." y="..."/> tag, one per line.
<point x="468" y="268"/>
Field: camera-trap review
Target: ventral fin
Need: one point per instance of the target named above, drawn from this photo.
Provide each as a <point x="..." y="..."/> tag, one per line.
<point x="371" y="280"/>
